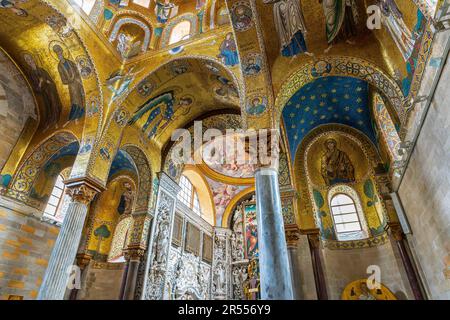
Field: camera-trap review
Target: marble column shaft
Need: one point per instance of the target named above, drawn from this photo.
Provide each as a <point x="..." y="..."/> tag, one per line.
<point x="410" y="268"/>
<point x="273" y="254"/>
<point x="130" y="279"/>
<point x="319" y="276"/>
<point x="295" y="272"/>
<point x="63" y="255"/>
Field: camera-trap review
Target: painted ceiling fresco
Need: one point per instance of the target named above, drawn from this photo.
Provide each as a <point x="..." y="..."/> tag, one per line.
<point x="327" y="100"/>
<point x="219" y="155"/>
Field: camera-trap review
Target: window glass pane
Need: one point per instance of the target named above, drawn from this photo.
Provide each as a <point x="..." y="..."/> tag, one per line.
<point x="50" y="210"/>
<point x="53" y="200"/>
<point x="59" y="183"/>
<point x="340" y="228"/>
<point x="62" y="208"/>
<point x="341" y="199"/>
<point x="57" y="192"/>
<point x="349" y="217"/>
<point x="196" y="204"/>
<point x="348" y="208"/>
<point x="346" y="218"/>
<point x="345" y="215"/>
<point x="185" y="194"/>
<point x="354" y="226"/>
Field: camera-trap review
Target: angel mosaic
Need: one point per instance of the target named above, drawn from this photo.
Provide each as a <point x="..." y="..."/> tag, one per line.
<point x="127" y="47"/>
<point x="119" y="82"/>
<point x="161" y="110"/>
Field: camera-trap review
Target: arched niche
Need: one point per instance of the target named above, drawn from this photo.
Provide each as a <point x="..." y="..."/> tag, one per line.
<point x="314" y="183"/>
<point x="106" y="213"/>
<point x="167" y="32"/>
<point x="23" y="180"/>
<point x="130" y="36"/>
<point x="45" y="180"/>
<point x="145" y="179"/>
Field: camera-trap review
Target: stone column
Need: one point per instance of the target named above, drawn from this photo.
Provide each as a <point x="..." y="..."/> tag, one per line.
<point x="405" y="254"/>
<point x="63" y="255"/>
<point x="292" y="237"/>
<point x="273" y="256"/>
<point x="160" y="239"/>
<point x="133" y="258"/>
<point x="319" y="276"/>
<point x="275" y="275"/>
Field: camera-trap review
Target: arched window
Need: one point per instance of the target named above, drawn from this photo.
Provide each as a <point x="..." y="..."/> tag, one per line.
<point x="345" y="214"/>
<point x="181" y="31"/>
<point x="387" y="128"/>
<point x="86" y="5"/>
<point x="57" y="201"/>
<point x="188" y="195"/>
<point x="348" y="216"/>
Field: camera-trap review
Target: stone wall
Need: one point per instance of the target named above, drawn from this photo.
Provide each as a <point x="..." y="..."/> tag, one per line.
<point x="101" y="281"/>
<point x="25" y="247"/>
<point x="306" y="273"/>
<point x="344" y="266"/>
<point x="425" y="194"/>
<point x="16" y="105"/>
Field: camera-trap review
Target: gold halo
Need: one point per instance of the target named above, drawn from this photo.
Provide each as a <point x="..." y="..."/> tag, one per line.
<point x="62" y="45"/>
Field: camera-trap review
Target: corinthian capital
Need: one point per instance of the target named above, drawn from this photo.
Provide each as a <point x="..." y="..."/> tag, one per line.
<point x="292" y="235"/>
<point x="81" y="192"/>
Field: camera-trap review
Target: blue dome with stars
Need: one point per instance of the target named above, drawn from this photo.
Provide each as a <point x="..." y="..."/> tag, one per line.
<point x="342" y="100"/>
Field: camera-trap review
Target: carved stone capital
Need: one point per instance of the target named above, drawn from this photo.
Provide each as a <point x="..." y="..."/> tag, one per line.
<point x="292" y="235"/>
<point x="134" y="254"/>
<point x="83" y="259"/>
<point x="314" y="240"/>
<point x="81" y="192"/>
<point x="396" y="231"/>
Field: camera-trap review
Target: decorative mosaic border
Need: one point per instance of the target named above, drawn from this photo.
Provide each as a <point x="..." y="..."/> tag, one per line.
<point x="356" y="244"/>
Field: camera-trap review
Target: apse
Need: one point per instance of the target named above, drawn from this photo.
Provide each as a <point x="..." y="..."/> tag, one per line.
<point x="327" y="100"/>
